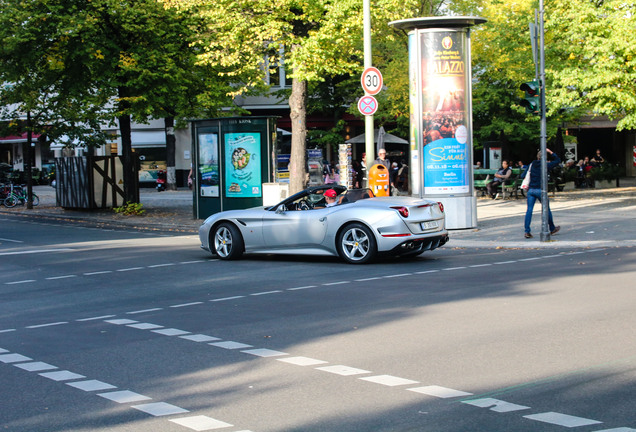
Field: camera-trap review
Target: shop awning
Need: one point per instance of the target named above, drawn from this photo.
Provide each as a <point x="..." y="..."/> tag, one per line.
<point x="11" y="139"/>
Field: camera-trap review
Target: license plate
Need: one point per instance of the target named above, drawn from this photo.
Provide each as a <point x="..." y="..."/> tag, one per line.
<point x="428" y="225"/>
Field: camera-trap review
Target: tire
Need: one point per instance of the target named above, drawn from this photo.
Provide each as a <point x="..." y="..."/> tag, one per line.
<point x="11" y="201"/>
<point x="227" y="242"/>
<point x="356" y="244"/>
<point x="35" y="199"/>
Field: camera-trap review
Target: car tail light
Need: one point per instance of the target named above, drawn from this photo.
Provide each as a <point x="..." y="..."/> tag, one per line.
<point x="403" y="211"/>
<point x="441" y="206"/>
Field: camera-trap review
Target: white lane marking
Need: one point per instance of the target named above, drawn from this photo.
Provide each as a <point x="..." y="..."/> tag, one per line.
<point x="14" y="358"/>
<point x="159" y="409"/>
<point x="144" y="326"/>
<point x="143" y="311"/>
<point x="186" y="304"/>
<point x="505" y="262"/>
<point x="98" y="272"/>
<point x="264" y="352"/>
<point x="336" y="283"/>
<point x="389" y="380"/>
<point x="124" y="396"/>
<point x="227" y="298"/>
<point x="35" y="366"/>
<point x="63" y="375"/>
<point x="91" y="385"/>
<point x="266" y="292"/>
<point x="11" y="240"/>
<point x="161" y="265"/>
<point x="7" y="331"/>
<point x="302" y="288"/>
<point x="121" y="321"/>
<point x="397" y="275"/>
<point x="531" y="259"/>
<point x="96" y="318"/>
<point x="200" y="338"/>
<point x="129" y="269"/>
<point x="201" y="423"/>
<point x="562" y="419"/>
<point x="47" y="325"/>
<point x="20" y="282"/>
<point x="171" y="332"/>
<point x="60" y="277"/>
<point x="2" y="350"/>
<point x="480" y="265"/>
<point x="495" y="405"/>
<point x="453" y="268"/>
<point x="440" y="392"/>
<point x="302" y="361"/>
<point x="195" y="262"/>
<point x="620" y="429"/>
<point x="230" y="345"/>
<point x="427" y="271"/>
<point x="368" y="279"/>
<point x="35" y="251"/>
<point x="343" y="370"/>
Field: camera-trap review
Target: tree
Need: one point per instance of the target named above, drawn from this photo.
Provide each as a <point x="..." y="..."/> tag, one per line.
<point x="90" y="62"/>
<point x="592" y="57"/>
<point x="315" y="39"/>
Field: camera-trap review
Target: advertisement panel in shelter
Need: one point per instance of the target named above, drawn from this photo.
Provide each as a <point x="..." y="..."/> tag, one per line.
<point x="243" y="165"/>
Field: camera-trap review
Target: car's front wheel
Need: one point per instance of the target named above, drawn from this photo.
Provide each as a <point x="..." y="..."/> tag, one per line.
<point x="227" y="242"/>
<point x="356" y="244"/>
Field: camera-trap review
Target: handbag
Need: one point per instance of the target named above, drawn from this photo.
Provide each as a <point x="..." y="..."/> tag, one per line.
<point x="526" y="180"/>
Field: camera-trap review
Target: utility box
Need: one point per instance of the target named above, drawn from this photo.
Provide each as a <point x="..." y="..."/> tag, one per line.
<point x="233" y="157"/>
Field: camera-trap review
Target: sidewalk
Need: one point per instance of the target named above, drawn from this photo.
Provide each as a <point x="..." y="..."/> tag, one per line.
<point x="588" y="218"/>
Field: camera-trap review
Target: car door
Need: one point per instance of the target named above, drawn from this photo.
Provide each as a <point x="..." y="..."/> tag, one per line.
<point x="294" y="228"/>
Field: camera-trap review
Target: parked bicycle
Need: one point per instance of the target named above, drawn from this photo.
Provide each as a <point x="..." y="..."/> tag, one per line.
<point x="14" y="195"/>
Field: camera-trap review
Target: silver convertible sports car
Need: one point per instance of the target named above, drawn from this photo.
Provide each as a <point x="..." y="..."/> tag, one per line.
<point x="357" y="228"/>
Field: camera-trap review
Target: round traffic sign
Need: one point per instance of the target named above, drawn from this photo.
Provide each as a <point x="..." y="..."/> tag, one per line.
<point x="367" y="105"/>
<point x="371" y="81"/>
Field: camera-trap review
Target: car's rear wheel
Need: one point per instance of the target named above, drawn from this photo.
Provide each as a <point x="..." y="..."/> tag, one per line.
<point x="356" y="244"/>
<point x="227" y="242"/>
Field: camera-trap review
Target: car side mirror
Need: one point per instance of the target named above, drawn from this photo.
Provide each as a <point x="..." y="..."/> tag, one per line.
<point x="281" y="209"/>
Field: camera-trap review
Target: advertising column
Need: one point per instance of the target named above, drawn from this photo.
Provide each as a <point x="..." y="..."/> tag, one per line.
<point x="441" y="114"/>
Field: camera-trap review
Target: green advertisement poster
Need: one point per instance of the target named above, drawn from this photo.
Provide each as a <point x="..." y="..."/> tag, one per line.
<point x="243" y="165"/>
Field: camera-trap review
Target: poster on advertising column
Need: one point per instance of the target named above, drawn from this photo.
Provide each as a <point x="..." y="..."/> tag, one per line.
<point x="243" y="165"/>
<point x="445" y="114"/>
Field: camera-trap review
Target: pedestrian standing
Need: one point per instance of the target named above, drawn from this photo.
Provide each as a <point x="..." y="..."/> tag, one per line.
<point x="534" y="192"/>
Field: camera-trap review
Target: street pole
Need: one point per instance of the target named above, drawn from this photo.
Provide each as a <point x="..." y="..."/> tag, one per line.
<point x="368" y="62"/>
<point x="545" y="230"/>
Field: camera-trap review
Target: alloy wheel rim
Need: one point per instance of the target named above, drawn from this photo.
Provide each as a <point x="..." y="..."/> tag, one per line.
<point x="355" y="244"/>
<point x="223" y="242"/>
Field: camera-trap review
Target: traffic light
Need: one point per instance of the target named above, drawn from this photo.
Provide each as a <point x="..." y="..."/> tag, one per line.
<point x="531" y="100"/>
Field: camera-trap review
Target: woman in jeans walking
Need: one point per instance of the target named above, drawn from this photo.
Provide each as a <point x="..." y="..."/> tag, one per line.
<point x="534" y="192"/>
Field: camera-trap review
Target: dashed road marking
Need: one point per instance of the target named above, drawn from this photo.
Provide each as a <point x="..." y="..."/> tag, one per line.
<point x="62" y="375"/>
<point x="186" y="304"/>
<point x="47" y="325"/>
<point x="440" y="392"/>
<point x="389" y="380"/>
<point x="302" y="361"/>
<point x="124" y="396"/>
<point x="201" y="423"/>
<point x="496" y="405"/>
<point x="143" y="311"/>
<point x="343" y="370"/>
<point x="159" y="409"/>
<point x="562" y="419"/>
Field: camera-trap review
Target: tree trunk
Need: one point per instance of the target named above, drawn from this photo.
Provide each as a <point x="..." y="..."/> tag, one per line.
<point x="171" y="171"/>
<point x="298" y="158"/>
<point x="130" y="194"/>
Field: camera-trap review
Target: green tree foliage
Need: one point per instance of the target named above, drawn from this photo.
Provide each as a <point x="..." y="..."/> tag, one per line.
<point x="84" y="62"/>
<point x="592" y="52"/>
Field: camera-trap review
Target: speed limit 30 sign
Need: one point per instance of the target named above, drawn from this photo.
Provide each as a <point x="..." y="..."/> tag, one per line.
<point x="371" y="81"/>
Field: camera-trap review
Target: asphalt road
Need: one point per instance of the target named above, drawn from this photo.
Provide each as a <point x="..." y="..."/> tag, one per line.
<point x="134" y="331"/>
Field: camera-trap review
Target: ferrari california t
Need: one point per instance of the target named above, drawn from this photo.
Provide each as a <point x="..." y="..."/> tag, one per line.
<point x="357" y="227"/>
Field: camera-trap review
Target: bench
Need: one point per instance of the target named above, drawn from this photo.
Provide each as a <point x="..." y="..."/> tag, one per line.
<point x="481" y="177"/>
